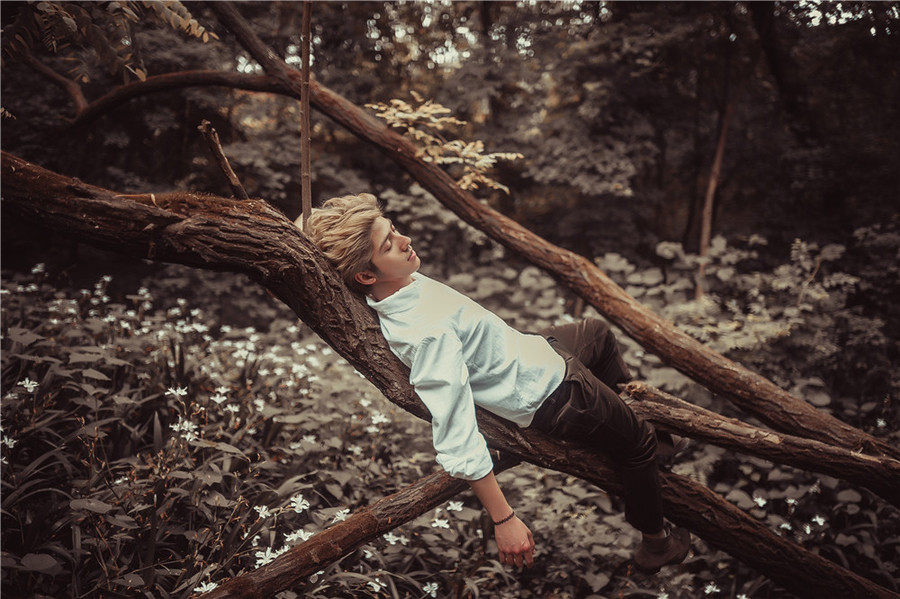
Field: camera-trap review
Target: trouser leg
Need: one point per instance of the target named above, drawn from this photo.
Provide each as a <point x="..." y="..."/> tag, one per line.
<point x="587" y="409"/>
<point x="593" y="343"/>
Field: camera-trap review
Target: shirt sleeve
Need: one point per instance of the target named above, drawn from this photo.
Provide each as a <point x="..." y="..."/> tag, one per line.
<point x="441" y="380"/>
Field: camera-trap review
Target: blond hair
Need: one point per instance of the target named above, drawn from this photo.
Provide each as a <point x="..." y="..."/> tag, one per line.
<point x="342" y="230"/>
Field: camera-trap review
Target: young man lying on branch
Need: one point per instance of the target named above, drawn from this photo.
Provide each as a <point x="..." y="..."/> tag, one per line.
<point x="460" y="355"/>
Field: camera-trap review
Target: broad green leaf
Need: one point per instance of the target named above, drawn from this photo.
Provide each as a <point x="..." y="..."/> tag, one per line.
<point x="23" y="336"/>
<point x="94" y="374"/>
<point x="39" y="562"/>
<point x="90" y="504"/>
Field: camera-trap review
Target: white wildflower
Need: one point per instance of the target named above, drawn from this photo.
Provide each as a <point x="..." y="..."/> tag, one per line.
<point x="379" y="418"/>
<point x="341" y="515"/>
<point x="206" y="587"/>
<point x="376" y="585"/>
<point x="187" y="428"/>
<point x="265" y="557"/>
<point x="440" y="523"/>
<point x="455" y="506"/>
<point x="263" y="511"/>
<point x="299" y="535"/>
<point x="29" y="384"/>
<point x="711" y="588"/>
<point x="8" y="441"/>
<point x="177" y="391"/>
<point x="431" y="589"/>
<point x="298" y="504"/>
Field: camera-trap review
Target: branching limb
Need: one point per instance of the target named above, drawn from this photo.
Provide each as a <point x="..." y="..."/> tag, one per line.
<point x="68" y="85"/>
<point x="215" y="147"/>
<point x="879" y="474"/>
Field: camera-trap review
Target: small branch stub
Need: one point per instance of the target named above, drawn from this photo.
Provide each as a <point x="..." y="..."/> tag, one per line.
<point x="212" y="139"/>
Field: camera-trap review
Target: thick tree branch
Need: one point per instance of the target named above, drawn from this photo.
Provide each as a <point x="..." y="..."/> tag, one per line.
<point x="750" y="391"/>
<point x="361" y="527"/>
<point x="252" y="238"/>
<point x="879" y="474"/>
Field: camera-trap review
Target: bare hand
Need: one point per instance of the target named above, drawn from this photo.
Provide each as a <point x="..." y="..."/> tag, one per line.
<point x="515" y="543"/>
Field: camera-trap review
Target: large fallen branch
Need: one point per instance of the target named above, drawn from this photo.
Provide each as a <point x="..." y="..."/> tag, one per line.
<point x="752" y="392"/>
<point x="252" y="238"/>
<point x="361" y="527"/>
<point x="879" y="474"/>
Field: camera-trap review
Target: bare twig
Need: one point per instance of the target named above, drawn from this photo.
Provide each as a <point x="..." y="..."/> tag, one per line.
<point x="714" y="175"/>
<point x="212" y="138"/>
<point x="71" y="87"/>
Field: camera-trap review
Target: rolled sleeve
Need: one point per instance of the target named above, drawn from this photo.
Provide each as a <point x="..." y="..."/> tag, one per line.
<point x="441" y="380"/>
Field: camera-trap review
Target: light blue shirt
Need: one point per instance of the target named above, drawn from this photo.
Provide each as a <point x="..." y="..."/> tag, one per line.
<point x="461" y="355"/>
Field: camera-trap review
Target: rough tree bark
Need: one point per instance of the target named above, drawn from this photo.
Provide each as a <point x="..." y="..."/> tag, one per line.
<point x="879" y="474"/>
<point x="750" y="391"/>
<point x="252" y="238"/>
<point x="336" y="541"/>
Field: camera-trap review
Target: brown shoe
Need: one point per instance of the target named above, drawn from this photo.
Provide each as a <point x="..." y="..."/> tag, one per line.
<point x="653" y="554"/>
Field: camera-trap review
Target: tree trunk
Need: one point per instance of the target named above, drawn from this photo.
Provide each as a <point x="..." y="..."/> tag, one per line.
<point x="750" y="391"/>
<point x="252" y="238"/>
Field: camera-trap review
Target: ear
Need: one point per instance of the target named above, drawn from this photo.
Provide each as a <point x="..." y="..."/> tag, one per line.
<point x="365" y="277"/>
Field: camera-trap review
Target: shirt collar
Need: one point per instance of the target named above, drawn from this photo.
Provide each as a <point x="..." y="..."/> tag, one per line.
<point x="401" y="300"/>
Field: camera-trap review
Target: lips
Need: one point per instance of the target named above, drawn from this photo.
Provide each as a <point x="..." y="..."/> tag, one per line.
<point x="412" y="254"/>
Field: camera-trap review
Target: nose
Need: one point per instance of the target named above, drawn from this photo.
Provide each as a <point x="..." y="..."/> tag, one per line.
<point x="405" y="242"/>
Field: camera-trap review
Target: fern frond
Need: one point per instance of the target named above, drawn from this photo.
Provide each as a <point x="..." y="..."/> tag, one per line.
<point x="177" y="16"/>
<point x="425" y="123"/>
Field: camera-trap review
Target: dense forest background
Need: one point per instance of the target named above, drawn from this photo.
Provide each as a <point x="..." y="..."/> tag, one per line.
<point x="617" y="109"/>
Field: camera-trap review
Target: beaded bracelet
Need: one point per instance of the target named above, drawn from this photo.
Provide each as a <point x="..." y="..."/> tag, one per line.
<point x="507" y="519"/>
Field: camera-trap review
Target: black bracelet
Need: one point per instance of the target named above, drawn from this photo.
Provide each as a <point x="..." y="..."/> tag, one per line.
<point x="507" y="519"/>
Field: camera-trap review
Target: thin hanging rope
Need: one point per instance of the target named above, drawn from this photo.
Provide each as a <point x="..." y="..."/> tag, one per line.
<point x="305" y="176"/>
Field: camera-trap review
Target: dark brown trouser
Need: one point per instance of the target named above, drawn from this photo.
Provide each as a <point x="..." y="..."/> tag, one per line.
<point x="586" y="408"/>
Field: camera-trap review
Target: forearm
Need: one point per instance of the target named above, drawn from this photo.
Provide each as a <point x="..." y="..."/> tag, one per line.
<point x="491" y="496"/>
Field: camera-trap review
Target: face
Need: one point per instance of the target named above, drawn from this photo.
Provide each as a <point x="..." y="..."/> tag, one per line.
<point x="393" y="256"/>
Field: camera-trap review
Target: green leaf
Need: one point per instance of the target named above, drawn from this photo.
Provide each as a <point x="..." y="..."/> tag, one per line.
<point x="94" y="374"/>
<point x="130" y="580"/>
<point x="23" y="336"/>
<point x="39" y="562"/>
<point x="90" y="504"/>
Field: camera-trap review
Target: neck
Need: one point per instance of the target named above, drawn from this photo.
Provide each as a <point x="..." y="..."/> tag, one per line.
<point x="382" y="290"/>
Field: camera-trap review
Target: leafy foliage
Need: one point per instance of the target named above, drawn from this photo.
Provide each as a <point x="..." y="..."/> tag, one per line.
<point x="426" y="124"/>
<point x="104" y="27"/>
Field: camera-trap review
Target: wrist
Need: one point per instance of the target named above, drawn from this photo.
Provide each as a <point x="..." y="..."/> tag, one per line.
<point x="504" y="520"/>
